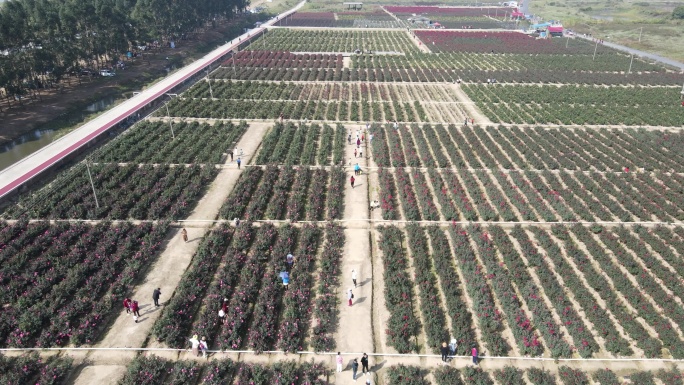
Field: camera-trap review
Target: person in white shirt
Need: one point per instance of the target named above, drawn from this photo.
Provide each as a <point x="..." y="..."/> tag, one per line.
<point x="354" y="277"/>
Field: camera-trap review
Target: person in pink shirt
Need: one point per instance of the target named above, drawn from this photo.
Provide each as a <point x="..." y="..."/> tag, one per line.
<point x="339" y="361"/>
<point x="474" y="351"/>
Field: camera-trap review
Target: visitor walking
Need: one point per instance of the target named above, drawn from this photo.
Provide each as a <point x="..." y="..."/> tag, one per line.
<point x="364" y="364"/>
<point x="452" y="347"/>
<point x="127" y="305"/>
<point x="474" y="351"/>
<point x="352" y="181"/>
<point x="358" y="142"/>
<point x="230" y="152"/>
<point x="357" y="169"/>
<point x="339" y="361"/>
<point x="238" y="163"/>
<point x="194" y="343"/>
<point x="356" y="153"/>
<point x="350" y="296"/>
<point x="290" y="260"/>
<point x="349" y="139"/>
<point x="445" y="352"/>
<point x="135" y="309"/>
<point x="354" y="277"/>
<point x="355" y="368"/>
<point x="155" y="296"/>
<point x="184" y="234"/>
<point x="204" y="346"/>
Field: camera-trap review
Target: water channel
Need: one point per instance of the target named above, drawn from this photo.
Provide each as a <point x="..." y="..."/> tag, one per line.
<point x="31" y="142"/>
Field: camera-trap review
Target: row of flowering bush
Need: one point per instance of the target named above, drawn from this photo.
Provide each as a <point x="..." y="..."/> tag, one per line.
<point x="32" y="369"/>
<point x="59" y="282"/>
<point x="325" y="309"/>
<point x="575" y="104"/>
<point x="447" y="375"/>
<point x="282" y="59"/>
<point x="297" y="304"/>
<point x="123" y="192"/>
<point x="403" y="326"/>
<point x="239" y="309"/>
<point x="287" y="143"/>
<point x="151" y="142"/>
<point x="524" y="331"/>
<point x="309" y="107"/>
<point x="400" y="69"/>
<point x="431" y="307"/>
<point x="330" y="40"/>
<point x="284" y="193"/>
<point x="154" y="370"/>
<point x="635" y="294"/>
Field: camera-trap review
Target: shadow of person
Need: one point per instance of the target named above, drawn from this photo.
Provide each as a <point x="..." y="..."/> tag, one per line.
<point x="378" y="366"/>
<point x="361" y="299"/>
<point x="365" y="281"/>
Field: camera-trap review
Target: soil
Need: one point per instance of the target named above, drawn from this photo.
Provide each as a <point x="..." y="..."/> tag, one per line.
<point x="65" y="106"/>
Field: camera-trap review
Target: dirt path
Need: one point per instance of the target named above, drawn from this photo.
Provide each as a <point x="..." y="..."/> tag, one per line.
<point x="354" y="334"/>
<point x="167" y="271"/>
<point x="470" y="107"/>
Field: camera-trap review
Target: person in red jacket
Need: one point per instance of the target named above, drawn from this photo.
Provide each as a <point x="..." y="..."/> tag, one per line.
<point x="352" y="181"/>
<point x="136" y="310"/>
<point x="127" y="305"/>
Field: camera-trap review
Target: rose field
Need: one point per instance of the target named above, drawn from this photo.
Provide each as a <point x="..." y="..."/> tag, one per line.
<point x="521" y="196"/>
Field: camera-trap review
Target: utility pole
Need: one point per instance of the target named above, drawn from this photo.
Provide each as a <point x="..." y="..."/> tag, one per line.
<point x="630" y="65"/>
<point x="567" y="42"/>
<point x="170" y="120"/>
<point x="97" y="204"/>
<point x="595" y="48"/>
<point x="211" y="92"/>
<point x="640" y="31"/>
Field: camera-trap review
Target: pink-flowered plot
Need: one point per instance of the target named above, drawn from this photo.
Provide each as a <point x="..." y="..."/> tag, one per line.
<point x="486" y="41"/>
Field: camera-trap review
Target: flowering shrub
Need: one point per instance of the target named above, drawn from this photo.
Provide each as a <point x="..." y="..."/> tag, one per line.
<point x="447" y="375"/>
<point x="476" y="376"/>
<point x="145" y="370"/>
<point x="325" y="310"/>
<point x="32" y="369"/>
<point x="402" y="325"/>
<point x="606" y="377"/>
<point x="335" y="197"/>
<point x="387" y="195"/>
<point x="283" y="59"/>
<point x="509" y="375"/>
<point x="150" y="142"/>
<point x="541" y="377"/>
<point x="570" y="376"/>
<point x="123" y="192"/>
<point x="82" y="259"/>
<point x="406" y="375"/>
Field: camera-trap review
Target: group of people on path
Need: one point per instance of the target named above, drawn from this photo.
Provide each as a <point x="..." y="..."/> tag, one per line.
<point x="132" y="307"/>
<point x="354" y="365"/>
<point x="450" y="350"/>
<point x="198" y="346"/>
<point x="238" y="154"/>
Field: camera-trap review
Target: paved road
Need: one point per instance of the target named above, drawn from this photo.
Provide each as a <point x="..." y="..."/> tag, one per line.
<point x="643" y="54"/>
<point x="33" y="165"/>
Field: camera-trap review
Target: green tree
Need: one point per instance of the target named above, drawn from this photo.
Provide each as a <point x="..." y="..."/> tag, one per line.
<point x="678" y="12"/>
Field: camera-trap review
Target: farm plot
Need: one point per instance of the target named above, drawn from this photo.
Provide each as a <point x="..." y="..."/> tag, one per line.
<point x="536" y="148"/>
<point x="374" y="19"/>
<point x="447" y="375"/>
<point x="470" y="183"/>
<point x="319" y="101"/>
<point x="283" y="59"/>
<point x="454" y="17"/>
<point x="333" y="41"/>
<point x="650" y="106"/>
<point x="515" y="300"/>
<point x="290" y="144"/>
<point x="63" y="282"/>
<point x="151" y="142"/>
<point x="313" y="19"/>
<point x="123" y="192"/>
<point x="286" y="193"/>
<point x="238" y="271"/>
<point x="153" y="370"/>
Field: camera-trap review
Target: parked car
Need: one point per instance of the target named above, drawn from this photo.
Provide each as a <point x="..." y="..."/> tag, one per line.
<point x="107" y="73"/>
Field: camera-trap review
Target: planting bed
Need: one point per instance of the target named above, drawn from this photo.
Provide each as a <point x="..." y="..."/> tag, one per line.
<point x="413" y="375"/>
<point x="291" y="144"/>
<point x="333" y="41"/>
<point x="153" y="370"/>
<point x="453" y="17"/>
<point x="283" y="59"/>
<point x="314" y="19"/>
<point x="514" y="294"/>
<point x="63" y="282"/>
<point x="287" y="193"/>
<point x="651" y="106"/>
<point x="123" y="192"/>
<point x="32" y="369"/>
<point x="242" y="266"/>
<point x="151" y="142"/>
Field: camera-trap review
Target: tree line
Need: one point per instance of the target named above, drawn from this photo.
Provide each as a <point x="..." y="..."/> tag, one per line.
<point x="55" y="37"/>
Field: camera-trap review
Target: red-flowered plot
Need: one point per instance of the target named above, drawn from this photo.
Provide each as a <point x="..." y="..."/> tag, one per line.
<point x="496" y="42"/>
<point x="450" y="11"/>
<point x="313" y="19"/>
<point x="283" y="59"/>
